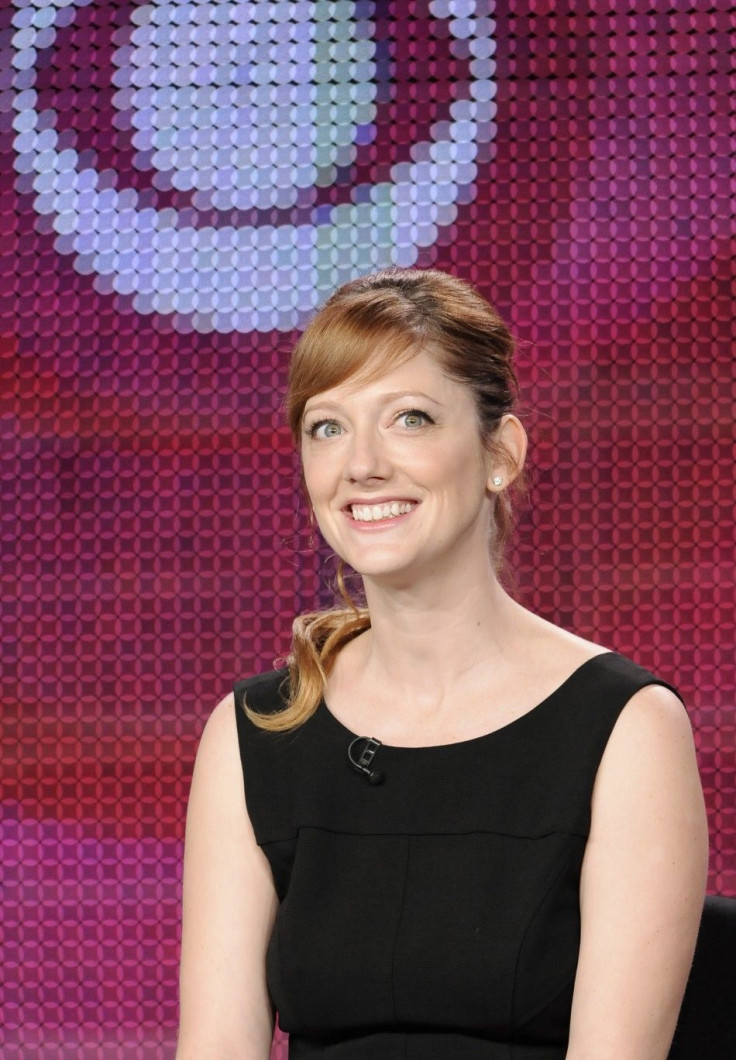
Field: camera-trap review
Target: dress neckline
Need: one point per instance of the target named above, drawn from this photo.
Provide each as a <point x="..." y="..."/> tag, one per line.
<point x="484" y="737"/>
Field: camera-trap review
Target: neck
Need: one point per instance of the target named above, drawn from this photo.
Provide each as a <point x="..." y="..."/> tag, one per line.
<point x="425" y="637"/>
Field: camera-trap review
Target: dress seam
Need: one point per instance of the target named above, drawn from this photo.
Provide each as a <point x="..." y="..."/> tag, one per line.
<point x="402" y="906"/>
<point x="515" y="982"/>
<point x="470" y="831"/>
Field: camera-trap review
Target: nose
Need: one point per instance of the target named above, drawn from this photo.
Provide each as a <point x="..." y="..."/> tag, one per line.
<point x="366" y="457"/>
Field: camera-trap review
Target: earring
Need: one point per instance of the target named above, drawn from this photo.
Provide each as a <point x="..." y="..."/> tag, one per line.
<point x="497" y="480"/>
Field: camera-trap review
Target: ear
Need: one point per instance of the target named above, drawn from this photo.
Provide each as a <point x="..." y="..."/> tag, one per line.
<point x="510" y="437"/>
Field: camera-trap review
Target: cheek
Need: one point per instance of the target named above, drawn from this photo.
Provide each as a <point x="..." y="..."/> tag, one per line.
<point x="312" y="475"/>
<point x="320" y="480"/>
<point x="453" y="466"/>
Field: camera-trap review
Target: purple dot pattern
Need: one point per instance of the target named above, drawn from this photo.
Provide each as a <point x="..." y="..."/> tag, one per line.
<point x="181" y="184"/>
<point x="244" y="108"/>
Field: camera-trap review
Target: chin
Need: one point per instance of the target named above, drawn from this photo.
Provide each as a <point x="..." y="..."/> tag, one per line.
<point x="395" y="575"/>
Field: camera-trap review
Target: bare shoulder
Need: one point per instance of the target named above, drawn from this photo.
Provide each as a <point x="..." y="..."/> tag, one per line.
<point x="648" y="779"/>
<point x="654" y="720"/>
<point x="642" y="882"/>
<point x="220" y="728"/>
<point x="656" y="700"/>
<point x="216" y="796"/>
<point x="229" y="904"/>
<point x="216" y="762"/>
<point x="222" y="716"/>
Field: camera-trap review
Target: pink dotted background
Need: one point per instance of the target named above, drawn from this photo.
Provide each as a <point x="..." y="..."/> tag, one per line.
<point x="154" y="547"/>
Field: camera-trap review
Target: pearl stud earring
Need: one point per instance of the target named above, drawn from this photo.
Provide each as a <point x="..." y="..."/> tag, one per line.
<point x="497" y="480"/>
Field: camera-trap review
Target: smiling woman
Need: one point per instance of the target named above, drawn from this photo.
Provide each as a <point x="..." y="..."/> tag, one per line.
<point x="379" y="322"/>
<point x="397" y="344"/>
<point x="524" y="873"/>
<point x="380" y="450"/>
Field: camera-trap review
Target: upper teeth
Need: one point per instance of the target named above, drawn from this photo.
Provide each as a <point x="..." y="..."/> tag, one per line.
<point x="368" y="512"/>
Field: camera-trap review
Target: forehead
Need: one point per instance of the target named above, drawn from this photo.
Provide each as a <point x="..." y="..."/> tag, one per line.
<point x="420" y="371"/>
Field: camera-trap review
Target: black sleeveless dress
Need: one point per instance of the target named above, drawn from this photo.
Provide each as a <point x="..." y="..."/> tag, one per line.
<point x="433" y="916"/>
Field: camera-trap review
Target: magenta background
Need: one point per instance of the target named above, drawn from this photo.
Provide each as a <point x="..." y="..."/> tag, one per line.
<point x="153" y="543"/>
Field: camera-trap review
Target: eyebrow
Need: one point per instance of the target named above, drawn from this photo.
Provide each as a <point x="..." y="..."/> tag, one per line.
<point x="393" y="396"/>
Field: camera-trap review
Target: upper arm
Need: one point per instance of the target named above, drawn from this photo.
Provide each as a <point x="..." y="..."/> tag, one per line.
<point x="642" y="884"/>
<point x="229" y="906"/>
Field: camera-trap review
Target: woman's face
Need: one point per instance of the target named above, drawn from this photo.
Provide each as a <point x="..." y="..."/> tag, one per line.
<point x="397" y="472"/>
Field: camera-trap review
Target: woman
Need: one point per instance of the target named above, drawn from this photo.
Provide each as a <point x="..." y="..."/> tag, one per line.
<point x="466" y="832"/>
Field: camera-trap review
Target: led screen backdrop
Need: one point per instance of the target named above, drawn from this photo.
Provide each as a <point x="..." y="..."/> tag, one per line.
<point x="181" y="184"/>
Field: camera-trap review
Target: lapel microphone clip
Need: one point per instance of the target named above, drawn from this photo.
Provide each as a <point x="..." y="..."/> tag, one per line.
<point x="375" y="776"/>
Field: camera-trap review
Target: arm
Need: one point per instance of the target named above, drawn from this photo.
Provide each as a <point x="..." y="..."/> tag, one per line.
<point x="229" y="906"/>
<point x="642" y="885"/>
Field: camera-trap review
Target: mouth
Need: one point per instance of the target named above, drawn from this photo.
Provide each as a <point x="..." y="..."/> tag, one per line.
<point x="387" y="512"/>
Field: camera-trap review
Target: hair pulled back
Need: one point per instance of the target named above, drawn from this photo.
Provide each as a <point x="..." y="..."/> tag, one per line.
<point x="366" y="328"/>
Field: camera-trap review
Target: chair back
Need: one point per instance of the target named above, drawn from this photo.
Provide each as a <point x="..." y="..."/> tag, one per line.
<point x="706" y="1028"/>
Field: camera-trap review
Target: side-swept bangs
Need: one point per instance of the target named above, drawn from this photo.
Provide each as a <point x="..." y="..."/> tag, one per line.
<point x="361" y="339"/>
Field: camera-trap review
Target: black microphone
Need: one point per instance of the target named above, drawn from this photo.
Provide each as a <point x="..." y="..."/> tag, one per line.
<point x="375" y="776"/>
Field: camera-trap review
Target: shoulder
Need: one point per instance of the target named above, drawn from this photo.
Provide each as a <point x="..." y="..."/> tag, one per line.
<point x="265" y="692"/>
<point x="219" y="737"/>
<point x="225" y="726"/>
<point x="647" y="810"/>
<point x="653" y="718"/>
<point x="652" y="730"/>
<point x="642" y="698"/>
<point x="655" y="701"/>
<point x="649" y="768"/>
<point x="643" y="876"/>
<point x="221" y="720"/>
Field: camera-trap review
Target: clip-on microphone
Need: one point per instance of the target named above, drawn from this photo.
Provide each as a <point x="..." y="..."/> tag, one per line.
<point x="375" y="776"/>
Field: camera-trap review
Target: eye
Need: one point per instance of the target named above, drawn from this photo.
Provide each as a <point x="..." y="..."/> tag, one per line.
<point x="323" y="429"/>
<point x="414" y="418"/>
